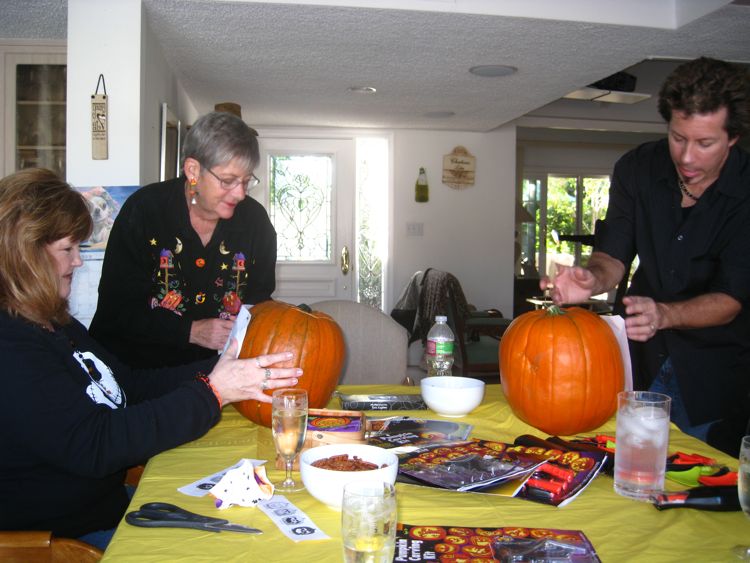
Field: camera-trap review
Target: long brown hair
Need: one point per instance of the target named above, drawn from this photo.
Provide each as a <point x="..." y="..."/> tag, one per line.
<point x="36" y="209"/>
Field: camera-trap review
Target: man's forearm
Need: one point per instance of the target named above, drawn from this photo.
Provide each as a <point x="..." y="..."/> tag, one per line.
<point x="608" y="271"/>
<point x="711" y="309"/>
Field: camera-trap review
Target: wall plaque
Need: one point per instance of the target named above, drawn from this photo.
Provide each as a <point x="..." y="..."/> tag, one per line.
<point x="458" y="168"/>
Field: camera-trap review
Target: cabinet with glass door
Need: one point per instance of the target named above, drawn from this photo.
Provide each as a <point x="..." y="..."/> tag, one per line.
<point x="36" y="92"/>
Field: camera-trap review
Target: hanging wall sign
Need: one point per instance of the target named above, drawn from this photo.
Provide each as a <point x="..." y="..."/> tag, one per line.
<point x="99" y="128"/>
<point x="458" y="169"/>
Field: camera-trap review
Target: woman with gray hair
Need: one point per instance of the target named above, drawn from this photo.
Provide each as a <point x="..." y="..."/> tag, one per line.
<point x="185" y="254"/>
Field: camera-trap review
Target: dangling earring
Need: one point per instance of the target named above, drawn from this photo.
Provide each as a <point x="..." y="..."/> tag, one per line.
<point x="192" y="191"/>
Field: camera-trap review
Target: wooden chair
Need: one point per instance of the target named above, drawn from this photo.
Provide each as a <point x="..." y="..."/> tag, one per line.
<point x="39" y="547"/>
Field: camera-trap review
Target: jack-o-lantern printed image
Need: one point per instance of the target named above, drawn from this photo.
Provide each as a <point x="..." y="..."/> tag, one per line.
<point x="542" y="533"/>
<point x="427" y="533"/>
<point x="582" y="464"/>
<point x="569" y="457"/>
<point x="460" y="531"/>
<point x="330" y="421"/>
<point x="455" y="540"/>
<point x="491" y="532"/>
<point x="456" y="558"/>
<point x="552" y="455"/>
<point x="442" y="451"/>
<point x="477" y="550"/>
<point x="536" y="451"/>
<point x="516" y="532"/>
<point x="446" y="548"/>
<point x="482" y="540"/>
<point x="496" y="446"/>
<point x="483" y="560"/>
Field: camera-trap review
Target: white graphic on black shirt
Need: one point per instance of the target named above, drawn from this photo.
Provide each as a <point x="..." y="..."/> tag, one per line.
<point x="104" y="388"/>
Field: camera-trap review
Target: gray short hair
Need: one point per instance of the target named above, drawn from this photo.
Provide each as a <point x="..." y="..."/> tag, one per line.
<point x="218" y="137"/>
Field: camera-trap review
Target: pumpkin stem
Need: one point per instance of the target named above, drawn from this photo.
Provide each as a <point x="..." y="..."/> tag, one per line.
<point x="554" y="310"/>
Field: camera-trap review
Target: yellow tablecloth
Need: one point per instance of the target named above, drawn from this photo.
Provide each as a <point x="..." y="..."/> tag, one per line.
<point x="620" y="529"/>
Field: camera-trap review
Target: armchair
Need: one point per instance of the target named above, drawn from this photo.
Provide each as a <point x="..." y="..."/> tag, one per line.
<point x="477" y="333"/>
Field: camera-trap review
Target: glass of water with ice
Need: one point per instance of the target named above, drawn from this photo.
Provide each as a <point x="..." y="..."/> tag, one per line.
<point x="642" y="438"/>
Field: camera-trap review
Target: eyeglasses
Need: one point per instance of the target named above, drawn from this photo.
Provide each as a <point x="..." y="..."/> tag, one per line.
<point x="231" y="184"/>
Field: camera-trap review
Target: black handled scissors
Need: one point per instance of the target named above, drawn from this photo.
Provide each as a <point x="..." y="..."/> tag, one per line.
<point x="164" y="515"/>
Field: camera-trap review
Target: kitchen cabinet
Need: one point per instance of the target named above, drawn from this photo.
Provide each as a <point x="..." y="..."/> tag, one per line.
<point x="35" y="111"/>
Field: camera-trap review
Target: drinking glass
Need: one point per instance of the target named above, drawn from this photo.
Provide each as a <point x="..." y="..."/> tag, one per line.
<point x="289" y="425"/>
<point x="642" y="438"/>
<point x="368" y="522"/>
<point x="743" y="488"/>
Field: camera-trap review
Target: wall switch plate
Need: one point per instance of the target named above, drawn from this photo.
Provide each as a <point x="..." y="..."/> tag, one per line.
<point x="414" y="229"/>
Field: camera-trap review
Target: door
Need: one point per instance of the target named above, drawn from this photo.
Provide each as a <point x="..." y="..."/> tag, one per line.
<point x="308" y="188"/>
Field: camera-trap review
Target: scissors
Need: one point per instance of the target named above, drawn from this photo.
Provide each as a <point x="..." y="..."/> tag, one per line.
<point x="164" y="515"/>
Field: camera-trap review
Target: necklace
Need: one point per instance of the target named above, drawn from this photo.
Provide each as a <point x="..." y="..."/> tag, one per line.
<point x="684" y="190"/>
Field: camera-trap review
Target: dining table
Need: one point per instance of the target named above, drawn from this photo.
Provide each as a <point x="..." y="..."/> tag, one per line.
<point x="620" y="529"/>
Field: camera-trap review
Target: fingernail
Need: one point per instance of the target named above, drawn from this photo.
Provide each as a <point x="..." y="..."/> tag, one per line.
<point x="299" y="372"/>
<point x="294" y="382"/>
<point x="289" y="355"/>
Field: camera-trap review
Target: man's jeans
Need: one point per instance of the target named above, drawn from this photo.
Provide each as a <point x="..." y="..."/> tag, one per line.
<point x="666" y="382"/>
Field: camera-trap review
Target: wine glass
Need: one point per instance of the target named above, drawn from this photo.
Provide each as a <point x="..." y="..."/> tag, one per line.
<point x="289" y="425"/>
<point x="743" y="488"/>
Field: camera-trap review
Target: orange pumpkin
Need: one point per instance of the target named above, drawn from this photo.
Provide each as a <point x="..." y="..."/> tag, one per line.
<point x="314" y="338"/>
<point x="561" y="369"/>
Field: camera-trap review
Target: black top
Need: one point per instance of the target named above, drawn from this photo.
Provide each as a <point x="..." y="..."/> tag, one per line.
<point x="157" y="276"/>
<point x="684" y="255"/>
<point x="66" y="435"/>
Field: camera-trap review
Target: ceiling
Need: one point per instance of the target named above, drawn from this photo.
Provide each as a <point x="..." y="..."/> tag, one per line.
<point x="291" y="64"/>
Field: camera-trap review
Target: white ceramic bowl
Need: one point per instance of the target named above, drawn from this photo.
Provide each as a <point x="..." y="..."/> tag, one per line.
<point x="452" y="396"/>
<point x="327" y="485"/>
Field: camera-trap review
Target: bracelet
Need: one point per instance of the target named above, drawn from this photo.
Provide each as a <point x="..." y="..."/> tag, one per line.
<point x="204" y="378"/>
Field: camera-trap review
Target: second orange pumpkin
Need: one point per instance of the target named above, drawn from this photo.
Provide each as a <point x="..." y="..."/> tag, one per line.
<point x="561" y="370"/>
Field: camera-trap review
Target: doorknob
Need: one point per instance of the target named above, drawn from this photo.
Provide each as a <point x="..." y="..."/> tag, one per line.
<point x="345" y="260"/>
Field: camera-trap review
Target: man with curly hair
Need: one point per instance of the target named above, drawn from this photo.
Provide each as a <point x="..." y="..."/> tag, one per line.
<point x="682" y="205"/>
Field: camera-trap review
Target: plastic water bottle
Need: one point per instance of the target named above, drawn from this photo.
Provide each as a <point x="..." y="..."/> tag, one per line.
<point x="439" y="353"/>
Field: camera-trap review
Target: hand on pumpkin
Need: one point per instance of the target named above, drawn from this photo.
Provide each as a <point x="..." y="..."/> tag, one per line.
<point x="210" y="333"/>
<point x="571" y="284"/>
<point x="241" y="380"/>
<point x="643" y="317"/>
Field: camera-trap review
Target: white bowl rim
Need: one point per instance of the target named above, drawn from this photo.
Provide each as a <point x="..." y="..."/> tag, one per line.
<point x="436" y="380"/>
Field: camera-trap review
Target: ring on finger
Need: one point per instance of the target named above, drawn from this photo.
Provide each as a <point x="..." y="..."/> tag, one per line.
<point x="267" y="374"/>
<point x="257" y="362"/>
<point x="264" y="385"/>
<point x="653" y="327"/>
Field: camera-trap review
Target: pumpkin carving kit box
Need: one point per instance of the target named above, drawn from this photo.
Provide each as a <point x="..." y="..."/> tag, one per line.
<point x="329" y="426"/>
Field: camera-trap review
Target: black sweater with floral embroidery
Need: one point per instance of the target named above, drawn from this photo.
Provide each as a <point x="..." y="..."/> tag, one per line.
<point x="157" y="276"/>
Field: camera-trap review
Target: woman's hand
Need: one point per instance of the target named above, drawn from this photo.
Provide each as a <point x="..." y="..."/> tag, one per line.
<point x="240" y="380"/>
<point x="210" y="333"/>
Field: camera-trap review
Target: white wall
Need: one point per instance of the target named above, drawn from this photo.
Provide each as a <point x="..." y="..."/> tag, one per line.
<point x="129" y="56"/>
<point x="467" y="232"/>
<point x="110" y="48"/>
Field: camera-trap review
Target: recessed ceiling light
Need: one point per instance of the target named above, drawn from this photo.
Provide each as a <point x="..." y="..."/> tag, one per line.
<point x="362" y="89"/>
<point x="440" y="114"/>
<point x="493" y="70"/>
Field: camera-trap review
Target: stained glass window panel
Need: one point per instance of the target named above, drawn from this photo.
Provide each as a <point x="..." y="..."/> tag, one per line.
<point x="300" y="206"/>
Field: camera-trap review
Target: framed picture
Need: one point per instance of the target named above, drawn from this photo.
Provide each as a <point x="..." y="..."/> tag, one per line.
<point x="104" y="203"/>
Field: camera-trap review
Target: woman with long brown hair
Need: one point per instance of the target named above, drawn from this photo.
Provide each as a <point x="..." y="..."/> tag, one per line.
<point x="74" y="417"/>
